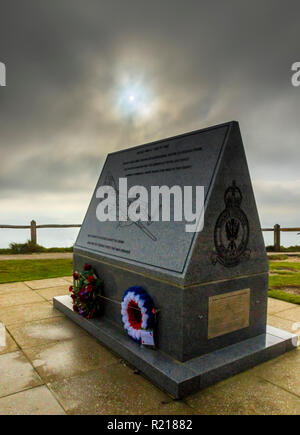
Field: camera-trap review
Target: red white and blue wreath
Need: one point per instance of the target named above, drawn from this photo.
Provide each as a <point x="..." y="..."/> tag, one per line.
<point x="138" y="312"/>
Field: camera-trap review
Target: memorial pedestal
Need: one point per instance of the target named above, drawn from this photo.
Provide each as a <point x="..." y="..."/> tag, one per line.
<point x="210" y="287"/>
<point x="180" y="379"/>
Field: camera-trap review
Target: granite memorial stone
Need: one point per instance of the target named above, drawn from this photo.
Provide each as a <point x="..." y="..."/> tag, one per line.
<point x="210" y="287"/>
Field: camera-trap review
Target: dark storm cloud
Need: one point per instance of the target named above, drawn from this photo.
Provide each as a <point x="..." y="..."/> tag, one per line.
<point x="204" y="62"/>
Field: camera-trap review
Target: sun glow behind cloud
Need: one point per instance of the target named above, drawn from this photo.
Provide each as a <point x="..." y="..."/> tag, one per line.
<point x="134" y="99"/>
<point x="104" y="83"/>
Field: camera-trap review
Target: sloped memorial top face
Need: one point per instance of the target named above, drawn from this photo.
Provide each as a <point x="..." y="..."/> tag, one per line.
<point x="187" y="160"/>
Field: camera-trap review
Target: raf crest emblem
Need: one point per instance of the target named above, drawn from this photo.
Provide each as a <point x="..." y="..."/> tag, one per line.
<point x="231" y="232"/>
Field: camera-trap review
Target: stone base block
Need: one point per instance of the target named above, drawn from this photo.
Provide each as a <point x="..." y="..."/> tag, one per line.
<point x="180" y="379"/>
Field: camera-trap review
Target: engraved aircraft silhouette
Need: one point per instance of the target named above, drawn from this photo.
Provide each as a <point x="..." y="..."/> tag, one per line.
<point x="110" y="181"/>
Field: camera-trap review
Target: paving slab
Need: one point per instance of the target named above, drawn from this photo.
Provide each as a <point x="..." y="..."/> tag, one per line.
<point x="286" y="325"/>
<point x="112" y="390"/>
<point x="27" y="313"/>
<point x="175" y="407"/>
<point x="290" y="314"/>
<point x="45" y="331"/>
<point x="50" y="293"/>
<point x="17" y="374"/>
<point x="69" y="279"/>
<point x="275" y="306"/>
<point x="89" y="387"/>
<point x="14" y="287"/>
<point x="45" y="283"/>
<point x="69" y="358"/>
<point x="245" y="394"/>
<point x="36" y="401"/>
<point x="283" y="371"/>
<point x="7" y="344"/>
<point x="177" y="378"/>
<point x="291" y="254"/>
<point x="20" y="298"/>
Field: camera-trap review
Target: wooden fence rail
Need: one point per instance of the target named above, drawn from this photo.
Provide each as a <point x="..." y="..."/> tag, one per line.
<point x="277" y="230"/>
<point x="33" y="233"/>
<point x="33" y="227"/>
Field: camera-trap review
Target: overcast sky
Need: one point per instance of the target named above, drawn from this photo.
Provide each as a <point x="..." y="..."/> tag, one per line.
<point x="72" y="66"/>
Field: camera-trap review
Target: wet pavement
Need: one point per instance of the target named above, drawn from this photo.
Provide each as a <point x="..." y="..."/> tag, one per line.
<point x="51" y="366"/>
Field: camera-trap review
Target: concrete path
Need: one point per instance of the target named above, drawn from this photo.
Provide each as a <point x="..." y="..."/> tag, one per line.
<point x="283" y="253"/>
<point x="45" y="256"/>
<point x="49" y="365"/>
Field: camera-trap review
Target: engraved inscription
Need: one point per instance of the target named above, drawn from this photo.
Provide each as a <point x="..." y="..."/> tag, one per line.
<point x="228" y="312"/>
<point x="187" y="160"/>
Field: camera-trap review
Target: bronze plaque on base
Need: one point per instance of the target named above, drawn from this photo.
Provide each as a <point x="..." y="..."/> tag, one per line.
<point x="228" y="312"/>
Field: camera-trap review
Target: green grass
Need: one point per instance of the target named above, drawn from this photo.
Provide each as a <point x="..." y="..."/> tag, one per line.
<point x="30" y="248"/>
<point x="283" y="296"/>
<point x="284" y="265"/>
<point x="8" y="251"/>
<point x="5" y="251"/>
<point x="287" y="275"/>
<point x="295" y="248"/>
<point x="59" y="249"/>
<point x="27" y="270"/>
<point x="278" y="257"/>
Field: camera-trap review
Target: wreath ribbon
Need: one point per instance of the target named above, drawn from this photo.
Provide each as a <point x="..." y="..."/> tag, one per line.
<point x="137" y="310"/>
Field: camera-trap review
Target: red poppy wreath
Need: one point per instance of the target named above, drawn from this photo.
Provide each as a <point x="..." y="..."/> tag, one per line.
<point x="86" y="292"/>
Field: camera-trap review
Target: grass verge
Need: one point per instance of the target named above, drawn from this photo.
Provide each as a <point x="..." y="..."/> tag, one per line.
<point x="278" y="257"/>
<point x="285" y="276"/>
<point x="295" y="248"/>
<point x="283" y="296"/>
<point x="30" y="248"/>
<point x="27" y="270"/>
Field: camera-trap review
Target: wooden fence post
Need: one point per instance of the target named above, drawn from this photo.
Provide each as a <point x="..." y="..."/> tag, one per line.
<point x="276" y="237"/>
<point x="33" y="231"/>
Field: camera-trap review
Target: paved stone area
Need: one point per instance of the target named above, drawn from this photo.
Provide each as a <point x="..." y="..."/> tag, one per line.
<point x="293" y="256"/>
<point x="51" y="366"/>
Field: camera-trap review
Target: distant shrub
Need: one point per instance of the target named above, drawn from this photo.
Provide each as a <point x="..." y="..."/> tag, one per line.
<point x="5" y="251"/>
<point x="31" y="248"/>
<point x="26" y="248"/>
<point x="270" y="248"/>
<point x="295" y="248"/>
<point x="70" y="249"/>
